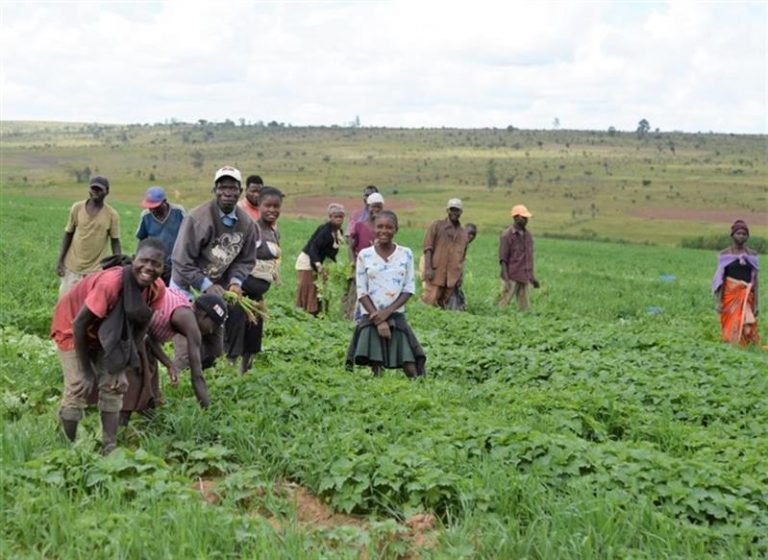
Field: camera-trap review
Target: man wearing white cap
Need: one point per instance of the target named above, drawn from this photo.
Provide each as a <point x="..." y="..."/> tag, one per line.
<point x="445" y="246"/>
<point x="516" y="259"/>
<point x="216" y="247"/>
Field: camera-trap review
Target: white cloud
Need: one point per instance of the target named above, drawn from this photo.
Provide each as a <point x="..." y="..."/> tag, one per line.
<point x="682" y="65"/>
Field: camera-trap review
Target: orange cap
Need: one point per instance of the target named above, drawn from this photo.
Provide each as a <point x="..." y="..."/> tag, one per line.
<point x="520" y="210"/>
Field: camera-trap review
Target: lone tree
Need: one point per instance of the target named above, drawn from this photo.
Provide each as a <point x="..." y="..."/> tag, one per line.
<point x="643" y="128"/>
<point x="491" y="179"/>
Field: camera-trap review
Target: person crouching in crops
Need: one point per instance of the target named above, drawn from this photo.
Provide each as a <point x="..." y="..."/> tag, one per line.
<point x="324" y="243"/>
<point x="98" y="327"/>
<point x="242" y="335"/>
<point x="385" y="281"/>
<point x="195" y="329"/>
<point x="735" y="289"/>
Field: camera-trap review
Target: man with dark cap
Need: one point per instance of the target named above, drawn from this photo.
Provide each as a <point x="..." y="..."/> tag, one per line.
<point x="91" y="223"/>
<point x="216" y="247"/>
<point x="160" y="219"/>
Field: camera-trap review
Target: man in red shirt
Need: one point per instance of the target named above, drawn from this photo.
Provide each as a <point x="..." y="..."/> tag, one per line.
<point x="516" y="259"/>
<point x="76" y="320"/>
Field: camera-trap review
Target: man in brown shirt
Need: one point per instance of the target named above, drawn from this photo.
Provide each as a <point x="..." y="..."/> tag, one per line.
<point x="445" y="245"/>
<point x="516" y="259"/>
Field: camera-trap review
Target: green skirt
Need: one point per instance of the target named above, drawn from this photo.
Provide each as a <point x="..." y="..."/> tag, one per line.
<point x="367" y="348"/>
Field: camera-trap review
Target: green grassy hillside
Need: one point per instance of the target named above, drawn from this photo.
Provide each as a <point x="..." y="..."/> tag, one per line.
<point x="588" y="184"/>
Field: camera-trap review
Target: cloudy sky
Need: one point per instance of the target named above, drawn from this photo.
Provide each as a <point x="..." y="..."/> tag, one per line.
<point x="689" y="66"/>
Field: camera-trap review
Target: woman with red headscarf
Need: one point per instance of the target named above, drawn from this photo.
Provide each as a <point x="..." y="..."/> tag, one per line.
<point x="735" y="288"/>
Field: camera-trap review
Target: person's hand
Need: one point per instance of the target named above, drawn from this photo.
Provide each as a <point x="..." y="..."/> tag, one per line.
<point x="215" y="290"/>
<point x="236" y="288"/>
<point x="384" y="331"/>
<point x="375" y="317"/>
<point x="120" y="384"/>
<point x="82" y="387"/>
<point x="535" y="283"/>
<point x="321" y="272"/>
<point x="173" y="374"/>
<point x="60" y="269"/>
<point x="429" y="274"/>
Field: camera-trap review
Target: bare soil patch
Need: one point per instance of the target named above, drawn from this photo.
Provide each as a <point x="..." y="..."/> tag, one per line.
<point x="683" y="214"/>
<point x="317" y="206"/>
<point x="313" y="513"/>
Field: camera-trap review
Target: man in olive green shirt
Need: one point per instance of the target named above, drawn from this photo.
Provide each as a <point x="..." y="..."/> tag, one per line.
<point x="91" y="223"/>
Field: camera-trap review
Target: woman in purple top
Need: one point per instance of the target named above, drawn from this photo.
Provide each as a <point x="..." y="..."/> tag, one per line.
<point x="735" y="288"/>
<point x="361" y="236"/>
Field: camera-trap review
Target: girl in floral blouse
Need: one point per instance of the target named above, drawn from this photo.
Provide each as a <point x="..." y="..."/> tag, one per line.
<point x="385" y="281"/>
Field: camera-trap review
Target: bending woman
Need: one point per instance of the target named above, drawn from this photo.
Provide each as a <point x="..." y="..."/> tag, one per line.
<point x="735" y="288"/>
<point x="243" y="338"/>
<point x="385" y="282"/>
<point x="324" y="243"/>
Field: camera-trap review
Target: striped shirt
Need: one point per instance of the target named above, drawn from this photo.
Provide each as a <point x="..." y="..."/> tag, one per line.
<point x="160" y="325"/>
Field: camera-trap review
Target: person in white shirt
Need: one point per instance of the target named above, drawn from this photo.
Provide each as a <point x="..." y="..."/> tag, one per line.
<point x="385" y="282"/>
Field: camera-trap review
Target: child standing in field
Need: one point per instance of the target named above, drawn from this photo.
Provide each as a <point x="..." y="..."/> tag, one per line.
<point x="735" y="288"/>
<point x="385" y="281"/>
<point x="91" y="223"/>
<point x="516" y="259"/>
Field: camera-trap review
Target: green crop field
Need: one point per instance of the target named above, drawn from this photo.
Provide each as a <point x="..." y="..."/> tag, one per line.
<point x="609" y="422"/>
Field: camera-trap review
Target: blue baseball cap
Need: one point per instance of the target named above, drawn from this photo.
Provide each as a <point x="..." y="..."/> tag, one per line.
<point x="153" y="198"/>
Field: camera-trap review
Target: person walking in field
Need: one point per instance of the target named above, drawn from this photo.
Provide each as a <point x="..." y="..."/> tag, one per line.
<point x="216" y="247"/>
<point x="445" y="246"/>
<point x="250" y="202"/>
<point x="324" y="243"/>
<point x="385" y="281"/>
<point x="98" y="326"/>
<point x="91" y="223"/>
<point x="734" y="286"/>
<point x="243" y="337"/>
<point x="162" y="220"/>
<point x="360" y="236"/>
<point x="516" y="259"/>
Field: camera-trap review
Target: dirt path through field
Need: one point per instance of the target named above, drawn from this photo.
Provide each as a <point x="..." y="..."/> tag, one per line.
<point x="317" y="206"/>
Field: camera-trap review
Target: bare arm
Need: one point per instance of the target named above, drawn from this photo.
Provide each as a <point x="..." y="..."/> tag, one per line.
<point x="157" y="350"/>
<point x="116" y="248"/>
<point x="66" y="242"/>
<point x="183" y="322"/>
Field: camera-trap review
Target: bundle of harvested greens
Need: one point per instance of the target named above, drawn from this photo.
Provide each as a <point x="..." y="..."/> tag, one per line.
<point x="254" y="310"/>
